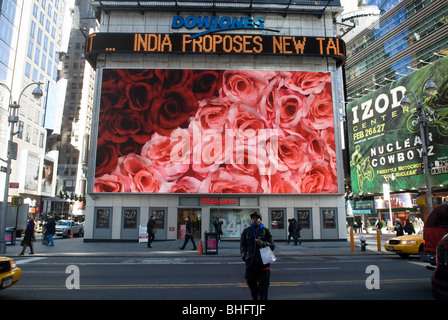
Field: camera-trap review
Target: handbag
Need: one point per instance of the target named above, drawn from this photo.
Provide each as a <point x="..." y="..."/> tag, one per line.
<point x="267" y="255"/>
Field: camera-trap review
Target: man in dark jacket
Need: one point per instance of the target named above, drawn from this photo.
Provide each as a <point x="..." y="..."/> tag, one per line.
<point x="150" y="230"/>
<point x="398" y="228"/>
<point x="257" y="275"/>
<point x="50" y="230"/>
<point x="189" y="235"/>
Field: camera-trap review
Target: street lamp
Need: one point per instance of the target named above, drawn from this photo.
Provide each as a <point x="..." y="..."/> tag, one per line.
<point x="13" y="118"/>
<point x="430" y="87"/>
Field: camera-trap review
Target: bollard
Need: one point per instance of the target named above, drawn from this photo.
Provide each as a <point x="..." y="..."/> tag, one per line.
<point x="352" y="241"/>
<point x="378" y="240"/>
<point x="363" y="243"/>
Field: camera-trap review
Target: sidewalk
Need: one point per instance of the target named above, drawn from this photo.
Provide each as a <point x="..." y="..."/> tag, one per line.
<point x="76" y="247"/>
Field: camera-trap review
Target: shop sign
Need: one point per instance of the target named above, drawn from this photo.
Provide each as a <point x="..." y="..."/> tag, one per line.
<point x="219" y="201"/>
<point x="402" y="200"/>
<point x="214" y="24"/>
<point x="177" y="43"/>
<point x="364" y="207"/>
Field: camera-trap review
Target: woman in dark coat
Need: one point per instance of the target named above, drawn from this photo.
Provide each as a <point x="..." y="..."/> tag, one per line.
<point x="29" y="237"/>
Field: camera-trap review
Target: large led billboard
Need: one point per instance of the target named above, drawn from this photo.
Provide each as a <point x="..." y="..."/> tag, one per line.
<point x="384" y="138"/>
<point x="215" y="131"/>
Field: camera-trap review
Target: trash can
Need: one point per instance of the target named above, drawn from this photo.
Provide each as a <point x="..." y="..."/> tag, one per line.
<point x="211" y="243"/>
<point x="10" y="236"/>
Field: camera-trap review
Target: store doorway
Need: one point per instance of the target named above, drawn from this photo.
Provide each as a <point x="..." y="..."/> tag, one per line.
<point x="195" y="216"/>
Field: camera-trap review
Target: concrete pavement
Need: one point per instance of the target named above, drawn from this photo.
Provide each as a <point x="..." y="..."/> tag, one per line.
<point x="77" y="247"/>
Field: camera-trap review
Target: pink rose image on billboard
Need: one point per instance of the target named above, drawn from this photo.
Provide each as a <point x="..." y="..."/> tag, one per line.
<point x="215" y="131"/>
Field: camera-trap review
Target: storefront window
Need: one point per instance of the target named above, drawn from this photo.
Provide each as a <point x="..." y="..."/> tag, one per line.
<point x="304" y="218"/>
<point x="102" y="218"/>
<point x="277" y="218"/>
<point x="234" y="221"/>
<point x="130" y="219"/>
<point x="328" y="218"/>
<point x="159" y="217"/>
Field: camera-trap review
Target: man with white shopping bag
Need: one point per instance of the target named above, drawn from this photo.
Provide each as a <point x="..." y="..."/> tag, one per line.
<point x="254" y="238"/>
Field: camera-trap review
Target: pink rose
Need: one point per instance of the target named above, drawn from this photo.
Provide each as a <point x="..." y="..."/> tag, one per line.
<point x="130" y="164"/>
<point x="319" y="178"/>
<point x="268" y="99"/>
<point x="148" y="180"/>
<point x="186" y="185"/>
<point x="321" y="109"/>
<point x="171" y="153"/>
<point x="243" y="86"/>
<point x="112" y="183"/>
<point x="245" y="123"/>
<point x="212" y="114"/>
<point x="229" y="181"/>
<point x="291" y="109"/>
<point x="308" y="82"/>
<point x="282" y="183"/>
<point x="293" y="152"/>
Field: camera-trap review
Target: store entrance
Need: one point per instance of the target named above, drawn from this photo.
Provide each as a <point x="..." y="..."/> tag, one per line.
<point x="195" y="216"/>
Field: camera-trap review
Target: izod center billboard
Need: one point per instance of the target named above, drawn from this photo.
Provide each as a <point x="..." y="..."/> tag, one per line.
<point x="216" y="131"/>
<point x="384" y="138"/>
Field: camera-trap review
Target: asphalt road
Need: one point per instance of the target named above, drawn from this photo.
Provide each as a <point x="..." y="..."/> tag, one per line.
<point x="375" y="277"/>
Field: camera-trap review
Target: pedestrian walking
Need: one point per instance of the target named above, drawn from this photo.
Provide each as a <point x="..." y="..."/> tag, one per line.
<point x="409" y="227"/>
<point x="189" y="233"/>
<point x="257" y="274"/>
<point x="297" y="229"/>
<point x="50" y="230"/>
<point x="150" y="226"/>
<point x="379" y="224"/>
<point x="398" y="228"/>
<point x="28" y="238"/>
<point x="218" y="228"/>
<point x="290" y="230"/>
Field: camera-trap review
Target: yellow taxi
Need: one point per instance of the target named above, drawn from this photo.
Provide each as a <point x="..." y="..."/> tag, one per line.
<point x="9" y="272"/>
<point x="406" y="245"/>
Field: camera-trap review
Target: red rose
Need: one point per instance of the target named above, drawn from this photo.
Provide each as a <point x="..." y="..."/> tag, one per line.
<point x="206" y="84"/>
<point x="123" y="125"/>
<point x="172" y="110"/>
<point x="106" y="157"/>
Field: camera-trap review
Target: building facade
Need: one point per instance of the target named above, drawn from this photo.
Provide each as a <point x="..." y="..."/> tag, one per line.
<point x="397" y="54"/>
<point x="409" y="36"/>
<point x="31" y="41"/>
<point x="214" y="113"/>
<point x="72" y="137"/>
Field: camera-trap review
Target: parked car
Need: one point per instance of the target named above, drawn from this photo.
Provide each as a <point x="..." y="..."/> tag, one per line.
<point x="406" y="245"/>
<point x="436" y="226"/>
<point x="9" y="272"/>
<point x="65" y="228"/>
<point x="439" y="278"/>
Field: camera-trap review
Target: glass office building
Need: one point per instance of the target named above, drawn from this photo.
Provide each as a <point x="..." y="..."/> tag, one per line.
<point x="409" y="35"/>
